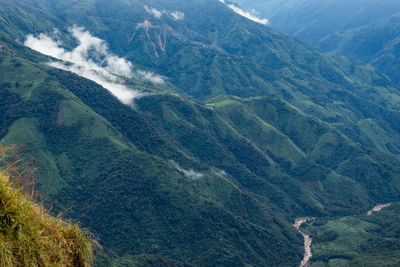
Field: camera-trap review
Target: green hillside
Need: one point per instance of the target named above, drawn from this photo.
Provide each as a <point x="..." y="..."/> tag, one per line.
<point x="250" y="130"/>
<point x="375" y="43"/>
<point x="363" y="30"/>
<point x="286" y="143"/>
<point x="29" y="236"/>
<point x="116" y="173"/>
<point x="313" y="20"/>
<point x="357" y="240"/>
<point x="204" y="58"/>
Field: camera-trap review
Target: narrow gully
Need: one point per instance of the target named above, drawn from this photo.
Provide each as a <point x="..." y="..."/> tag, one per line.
<point x="307" y="242"/>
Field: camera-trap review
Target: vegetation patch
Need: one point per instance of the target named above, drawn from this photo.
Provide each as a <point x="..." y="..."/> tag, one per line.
<point x="31" y="237"/>
<point x="362" y="240"/>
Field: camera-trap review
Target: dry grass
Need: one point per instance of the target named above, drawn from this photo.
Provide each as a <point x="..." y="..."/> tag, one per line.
<point x="31" y="237"/>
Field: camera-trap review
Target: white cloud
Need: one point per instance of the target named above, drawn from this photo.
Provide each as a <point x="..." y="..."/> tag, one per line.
<point x="178" y="15"/>
<point x="143" y="25"/>
<point x="223" y="173"/>
<point x="121" y="91"/>
<point x="254" y="11"/>
<point x="152" y="11"/>
<point x="245" y="14"/>
<point x="158" y="14"/>
<point x="149" y="76"/>
<point x="92" y="60"/>
<point x="191" y="174"/>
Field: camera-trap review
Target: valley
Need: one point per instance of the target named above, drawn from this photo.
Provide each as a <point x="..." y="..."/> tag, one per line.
<point x="307" y="242"/>
<point x="358" y="240"/>
<point x="363" y="30"/>
<point x="308" y="239"/>
<point x="188" y="133"/>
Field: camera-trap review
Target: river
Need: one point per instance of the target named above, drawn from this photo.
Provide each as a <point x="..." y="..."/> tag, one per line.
<point x="307" y="242"/>
<point x="378" y="208"/>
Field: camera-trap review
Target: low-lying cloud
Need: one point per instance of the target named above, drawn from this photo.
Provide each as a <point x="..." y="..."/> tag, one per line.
<point x="144" y="25"/>
<point x="223" y="173"/>
<point x="91" y="59"/>
<point x="149" y="76"/>
<point x="152" y="11"/>
<point x="245" y="14"/>
<point x="191" y="174"/>
<point x="178" y="15"/>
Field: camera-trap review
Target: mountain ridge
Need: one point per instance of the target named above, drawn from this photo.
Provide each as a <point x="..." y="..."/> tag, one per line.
<point x="208" y="182"/>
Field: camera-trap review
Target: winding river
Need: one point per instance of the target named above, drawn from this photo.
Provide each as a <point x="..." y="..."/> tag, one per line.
<point x="378" y="208"/>
<point x="307" y="242"/>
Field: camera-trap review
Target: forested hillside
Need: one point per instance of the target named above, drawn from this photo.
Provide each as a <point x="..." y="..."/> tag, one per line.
<point x="364" y="30"/>
<point x="182" y="133"/>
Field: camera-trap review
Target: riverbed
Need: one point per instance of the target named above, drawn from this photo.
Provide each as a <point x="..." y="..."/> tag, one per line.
<point x="307" y="242"/>
<point x="378" y="208"/>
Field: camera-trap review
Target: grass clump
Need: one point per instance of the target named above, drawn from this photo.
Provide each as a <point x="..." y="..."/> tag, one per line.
<point x="29" y="236"/>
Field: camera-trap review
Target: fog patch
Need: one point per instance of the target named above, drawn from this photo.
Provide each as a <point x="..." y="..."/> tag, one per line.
<point x="152" y="11"/>
<point x="92" y="60"/>
<point x="150" y="76"/>
<point x="223" y="173"/>
<point x="178" y="15"/>
<point x="191" y="174"/>
<point x="144" y="25"/>
<point x="255" y="12"/>
<point x="245" y="14"/>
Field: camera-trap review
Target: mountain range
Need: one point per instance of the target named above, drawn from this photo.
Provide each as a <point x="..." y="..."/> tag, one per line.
<point x="182" y="133"/>
<point x="364" y="30"/>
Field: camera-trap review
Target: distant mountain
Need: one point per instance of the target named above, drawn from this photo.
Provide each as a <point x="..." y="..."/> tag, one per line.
<point x="243" y="129"/>
<point x="204" y="57"/>
<point x="365" y="30"/>
<point x="376" y="43"/>
<point x="313" y="20"/>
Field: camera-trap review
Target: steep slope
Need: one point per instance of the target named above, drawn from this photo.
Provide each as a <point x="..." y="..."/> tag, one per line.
<point x="254" y="59"/>
<point x="376" y="43"/>
<point x="318" y="171"/>
<point x="156" y="171"/>
<point x="126" y="180"/>
<point x="364" y="30"/>
<point x="216" y="183"/>
<point x="29" y="236"/>
<point x="361" y="240"/>
<point x="286" y="143"/>
<point x="109" y="258"/>
<point x="203" y="57"/>
<point x="313" y="20"/>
